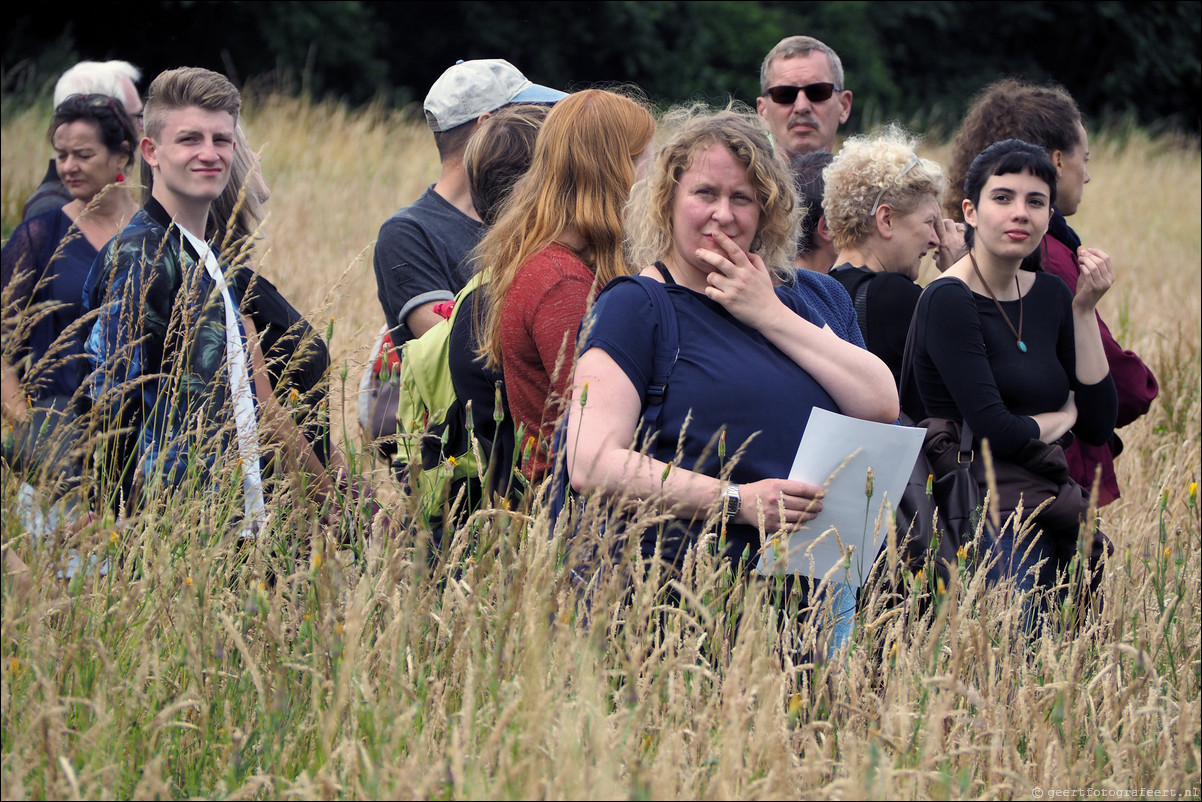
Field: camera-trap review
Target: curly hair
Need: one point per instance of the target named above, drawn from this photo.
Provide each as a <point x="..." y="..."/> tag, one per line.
<point x="873" y="171"/>
<point x="1042" y="114"/>
<point x="649" y="234"/>
<point x="581" y="174"/>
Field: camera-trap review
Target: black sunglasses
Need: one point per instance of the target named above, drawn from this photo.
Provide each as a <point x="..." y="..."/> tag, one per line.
<point x="815" y="93"/>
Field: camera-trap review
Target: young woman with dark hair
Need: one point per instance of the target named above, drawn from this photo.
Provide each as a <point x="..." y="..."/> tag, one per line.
<point x="1013" y="353"/>
<point x="1047" y="115"/>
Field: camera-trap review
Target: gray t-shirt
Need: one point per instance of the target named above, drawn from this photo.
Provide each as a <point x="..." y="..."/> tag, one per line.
<point x="422" y="257"/>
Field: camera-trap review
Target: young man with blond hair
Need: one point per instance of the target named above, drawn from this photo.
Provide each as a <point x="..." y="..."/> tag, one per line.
<point x="175" y="362"/>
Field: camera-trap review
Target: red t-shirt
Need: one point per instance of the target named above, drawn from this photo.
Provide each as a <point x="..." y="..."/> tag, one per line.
<point x="540" y="317"/>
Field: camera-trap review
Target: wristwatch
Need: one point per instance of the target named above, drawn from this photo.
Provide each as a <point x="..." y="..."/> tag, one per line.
<point x="733" y="502"/>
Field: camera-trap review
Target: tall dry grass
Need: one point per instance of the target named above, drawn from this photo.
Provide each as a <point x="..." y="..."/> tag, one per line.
<point x="204" y="667"/>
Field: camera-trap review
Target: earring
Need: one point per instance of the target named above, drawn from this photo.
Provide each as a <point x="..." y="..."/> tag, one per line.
<point x="120" y="177"/>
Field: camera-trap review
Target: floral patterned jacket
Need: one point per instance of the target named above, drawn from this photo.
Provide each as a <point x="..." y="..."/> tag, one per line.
<point x="158" y="351"/>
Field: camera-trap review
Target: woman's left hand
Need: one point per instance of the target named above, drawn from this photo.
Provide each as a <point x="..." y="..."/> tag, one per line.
<point x="740" y="281"/>
<point x="1095" y="279"/>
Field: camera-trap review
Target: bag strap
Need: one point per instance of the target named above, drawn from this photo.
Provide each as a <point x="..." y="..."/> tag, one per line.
<point x="860" y="304"/>
<point x="667" y="351"/>
<point x="845" y="275"/>
<point x="473" y="283"/>
<point x="907" y="377"/>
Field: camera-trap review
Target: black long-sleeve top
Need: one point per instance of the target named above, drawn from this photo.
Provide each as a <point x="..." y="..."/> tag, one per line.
<point x="968" y="365"/>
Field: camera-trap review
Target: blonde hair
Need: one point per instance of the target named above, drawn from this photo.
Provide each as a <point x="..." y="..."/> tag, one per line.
<point x="649" y="233"/>
<point x="873" y="171"/>
<point x="236" y="215"/>
<point x="583" y="168"/>
<point x="184" y="87"/>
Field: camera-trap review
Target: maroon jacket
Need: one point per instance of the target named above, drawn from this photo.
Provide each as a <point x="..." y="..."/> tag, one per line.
<point x="1133" y="379"/>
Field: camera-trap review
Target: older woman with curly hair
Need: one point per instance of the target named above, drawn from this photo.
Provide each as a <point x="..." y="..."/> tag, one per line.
<point x="717" y="219"/>
<point x="882" y="210"/>
<point x="1047" y="115"/>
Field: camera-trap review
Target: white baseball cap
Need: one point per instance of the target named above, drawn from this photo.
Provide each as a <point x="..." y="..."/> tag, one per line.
<point x="471" y="88"/>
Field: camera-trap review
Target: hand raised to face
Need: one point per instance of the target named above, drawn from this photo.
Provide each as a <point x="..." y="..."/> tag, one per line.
<point x="1096" y="277"/>
<point x="739" y="280"/>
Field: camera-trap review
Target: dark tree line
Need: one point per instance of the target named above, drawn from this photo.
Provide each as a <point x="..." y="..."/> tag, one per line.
<point x="916" y="61"/>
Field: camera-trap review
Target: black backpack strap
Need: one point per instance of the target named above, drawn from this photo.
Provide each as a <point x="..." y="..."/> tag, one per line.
<point x="860" y="303"/>
<point x="667" y="351"/>
<point x="905" y="387"/>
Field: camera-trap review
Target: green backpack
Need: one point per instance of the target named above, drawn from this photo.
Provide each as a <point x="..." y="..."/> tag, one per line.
<point x="426" y="396"/>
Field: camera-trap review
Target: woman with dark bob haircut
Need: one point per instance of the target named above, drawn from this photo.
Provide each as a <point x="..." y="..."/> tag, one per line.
<point x="1014" y="353"/>
<point x="1047" y="115"/>
<point x="716" y="221"/>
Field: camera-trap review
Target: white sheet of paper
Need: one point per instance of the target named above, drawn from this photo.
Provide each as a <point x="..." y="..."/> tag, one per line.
<point x="836" y="453"/>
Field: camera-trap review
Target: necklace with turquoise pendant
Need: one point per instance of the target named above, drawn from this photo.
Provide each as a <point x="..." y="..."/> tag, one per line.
<point x="1018" y="333"/>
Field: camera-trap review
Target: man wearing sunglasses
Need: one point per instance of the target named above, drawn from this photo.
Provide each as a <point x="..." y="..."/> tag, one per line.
<point x="802" y="99"/>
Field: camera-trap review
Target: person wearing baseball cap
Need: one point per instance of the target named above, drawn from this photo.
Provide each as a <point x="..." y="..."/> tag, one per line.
<point x="422" y="253"/>
<point x="470" y="90"/>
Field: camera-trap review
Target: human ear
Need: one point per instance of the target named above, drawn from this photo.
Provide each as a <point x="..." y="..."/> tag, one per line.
<point x="1058" y="160"/>
<point x="149" y="148"/>
<point x="970" y="212"/>
<point x="845" y="102"/>
<point x="822" y="230"/>
<point x="884" y="220"/>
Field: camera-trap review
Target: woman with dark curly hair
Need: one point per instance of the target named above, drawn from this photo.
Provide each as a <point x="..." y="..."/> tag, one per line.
<point x="1047" y="115"/>
<point x="48" y="256"/>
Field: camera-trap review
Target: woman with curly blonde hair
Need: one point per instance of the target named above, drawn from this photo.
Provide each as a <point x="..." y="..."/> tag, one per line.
<point x="717" y="218"/>
<point x="882" y="210"/>
<point x="558" y="240"/>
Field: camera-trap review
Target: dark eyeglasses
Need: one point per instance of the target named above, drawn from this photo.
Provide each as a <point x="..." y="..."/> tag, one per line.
<point x="815" y="93"/>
